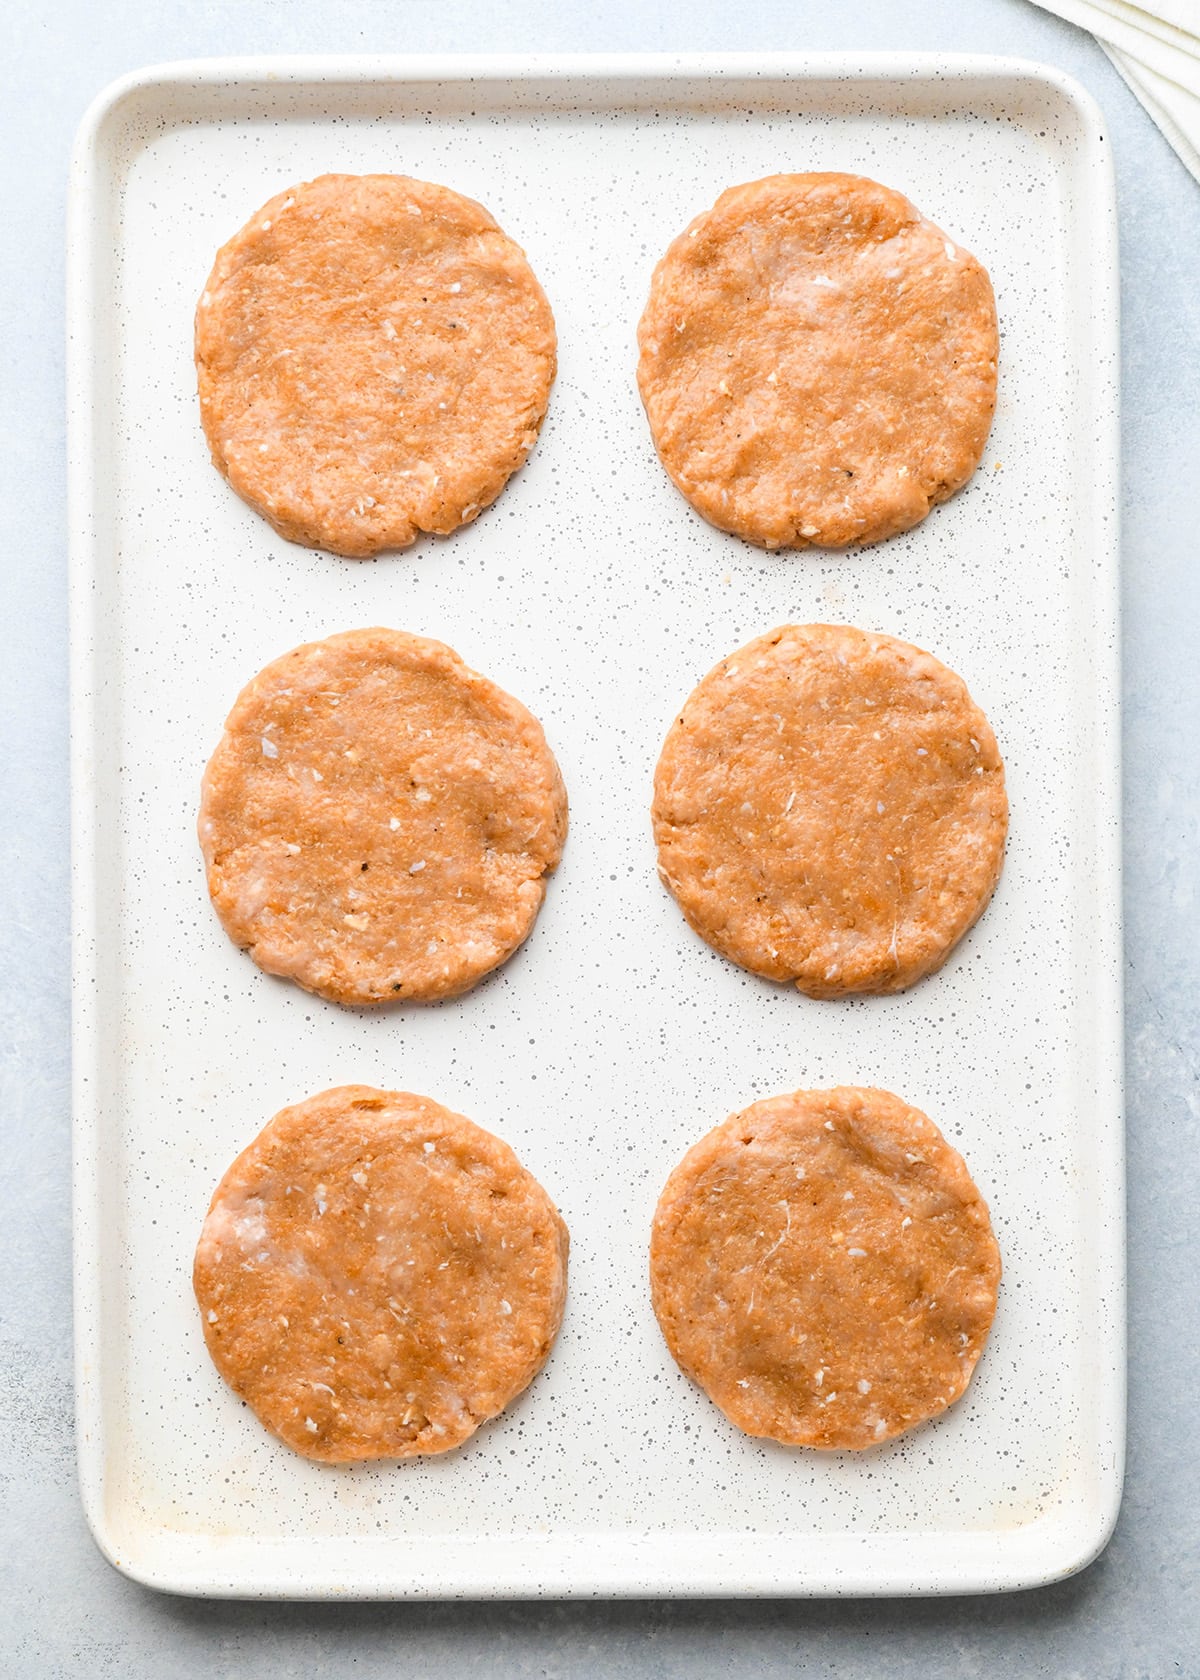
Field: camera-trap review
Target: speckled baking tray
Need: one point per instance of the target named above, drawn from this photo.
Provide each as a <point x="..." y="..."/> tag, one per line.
<point x="615" y="1037"/>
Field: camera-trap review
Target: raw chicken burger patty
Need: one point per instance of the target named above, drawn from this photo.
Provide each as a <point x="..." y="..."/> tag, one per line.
<point x="823" y="1266"/>
<point x="374" y="359"/>
<point x="377" y="820"/>
<point x="829" y="809"/>
<point x="818" y="362"/>
<point x="377" y="1276"/>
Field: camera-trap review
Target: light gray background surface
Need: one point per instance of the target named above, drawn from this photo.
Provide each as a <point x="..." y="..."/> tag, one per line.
<point x="1134" y="1615"/>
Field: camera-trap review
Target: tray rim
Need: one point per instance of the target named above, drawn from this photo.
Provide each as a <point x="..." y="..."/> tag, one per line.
<point x="1032" y="1555"/>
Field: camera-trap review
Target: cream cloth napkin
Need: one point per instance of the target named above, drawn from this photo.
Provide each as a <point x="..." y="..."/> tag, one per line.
<point x="1158" y="53"/>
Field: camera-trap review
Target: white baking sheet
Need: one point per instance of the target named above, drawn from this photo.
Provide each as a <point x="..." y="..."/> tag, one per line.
<point x="615" y="1037"/>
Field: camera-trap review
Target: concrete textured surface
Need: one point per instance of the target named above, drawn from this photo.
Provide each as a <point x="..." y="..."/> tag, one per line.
<point x="1135" y="1614"/>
